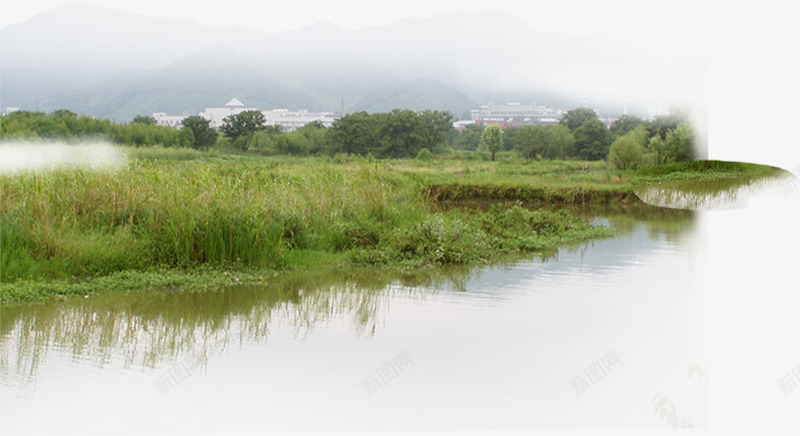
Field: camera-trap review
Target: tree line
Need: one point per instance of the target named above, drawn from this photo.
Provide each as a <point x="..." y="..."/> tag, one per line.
<point x="629" y="142"/>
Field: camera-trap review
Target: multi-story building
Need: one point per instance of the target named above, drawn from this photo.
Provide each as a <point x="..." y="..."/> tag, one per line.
<point x="293" y="120"/>
<point x="515" y="113"/>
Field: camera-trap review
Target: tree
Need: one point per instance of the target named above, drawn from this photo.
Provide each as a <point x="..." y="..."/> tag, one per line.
<point x="575" y="118"/>
<point x="493" y="138"/>
<point x="627" y="151"/>
<point x="204" y="135"/>
<point x="625" y="124"/>
<point x="144" y="119"/>
<point x="470" y="138"/>
<point x="242" y="124"/>
<point x="437" y="127"/>
<point x="186" y="137"/>
<point x="549" y="141"/>
<point x="592" y="140"/>
<point x="354" y="133"/>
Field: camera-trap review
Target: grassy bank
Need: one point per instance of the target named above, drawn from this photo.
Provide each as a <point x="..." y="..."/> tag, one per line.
<point x="175" y="214"/>
<point x="704" y="170"/>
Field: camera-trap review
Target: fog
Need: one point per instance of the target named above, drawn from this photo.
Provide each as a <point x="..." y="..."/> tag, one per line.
<point x="18" y="157"/>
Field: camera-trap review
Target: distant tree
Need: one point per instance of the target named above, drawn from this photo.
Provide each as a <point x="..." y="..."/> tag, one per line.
<point x="436" y="128"/>
<point x="493" y="138"/>
<point x="624" y="124"/>
<point x="204" y="135"/>
<point x="316" y="124"/>
<point x="679" y="144"/>
<point x="592" y="140"/>
<point x="144" y="119"/>
<point x="627" y="151"/>
<point x="575" y="118"/>
<point x="186" y="137"/>
<point x="549" y="141"/>
<point x="470" y="138"/>
<point x="242" y="124"/>
<point x="401" y="133"/>
<point x="354" y="133"/>
<point x="65" y="113"/>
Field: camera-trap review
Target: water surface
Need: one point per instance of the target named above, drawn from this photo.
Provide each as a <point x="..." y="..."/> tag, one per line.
<point x="607" y="334"/>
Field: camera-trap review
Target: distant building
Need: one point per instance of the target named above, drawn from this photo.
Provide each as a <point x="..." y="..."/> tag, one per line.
<point x="217" y="115"/>
<point x="293" y="120"/>
<point x="162" y="119"/>
<point x="462" y="124"/>
<point x="515" y="113"/>
<point x="288" y="120"/>
<point x="10" y="110"/>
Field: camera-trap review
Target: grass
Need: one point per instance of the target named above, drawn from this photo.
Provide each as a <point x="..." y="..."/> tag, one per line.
<point x="703" y="170"/>
<point x="187" y="217"/>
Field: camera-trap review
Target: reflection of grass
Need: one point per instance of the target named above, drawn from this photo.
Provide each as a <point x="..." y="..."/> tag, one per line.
<point x="146" y="328"/>
<point x="703" y="184"/>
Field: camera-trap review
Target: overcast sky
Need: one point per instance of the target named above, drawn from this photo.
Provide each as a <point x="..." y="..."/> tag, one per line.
<point x="649" y="24"/>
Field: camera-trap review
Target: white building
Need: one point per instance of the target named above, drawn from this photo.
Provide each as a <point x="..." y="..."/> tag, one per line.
<point x="293" y="120"/>
<point x="521" y="113"/>
<point x="162" y="119"/>
<point x="216" y="115"/>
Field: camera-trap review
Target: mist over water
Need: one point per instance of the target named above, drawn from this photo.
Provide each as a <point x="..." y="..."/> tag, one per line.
<point x="17" y="157"/>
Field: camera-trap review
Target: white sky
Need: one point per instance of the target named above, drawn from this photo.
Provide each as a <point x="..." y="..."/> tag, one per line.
<point x="644" y="23"/>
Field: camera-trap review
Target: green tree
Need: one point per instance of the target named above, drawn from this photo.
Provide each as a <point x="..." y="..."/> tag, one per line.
<point x="437" y="127"/>
<point x="592" y="140"/>
<point x="242" y="124"/>
<point x="186" y="138"/>
<point x="354" y="133"/>
<point x="204" y="135"/>
<point x="575" y="118"/>
<point x="624" y="124"/>
<point x="493" y="138"/>
<point x="549" y="141"/>
<point x="470" y="138"/>
<point x="628" y="150"/>
<point x="144" y="119"/>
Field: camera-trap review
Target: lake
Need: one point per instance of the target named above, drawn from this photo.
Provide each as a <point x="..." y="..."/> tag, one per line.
<point x="607" y="334"/>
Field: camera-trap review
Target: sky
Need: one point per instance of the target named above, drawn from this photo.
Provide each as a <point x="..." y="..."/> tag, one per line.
<point x="749" y="46"/>
<point x="623" y="19"/>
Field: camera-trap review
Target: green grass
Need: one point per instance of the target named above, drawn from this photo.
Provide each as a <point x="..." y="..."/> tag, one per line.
<point x="180" y="213"/>
<point x="703" y="170"/>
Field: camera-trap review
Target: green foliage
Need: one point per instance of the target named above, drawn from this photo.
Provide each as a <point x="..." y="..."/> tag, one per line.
<point x="242" y="125"/>
<point x="470" y="138"/>
<point x="592" y="140"/>
<point x="627" y="151"/>
<point x="424" y="155"/>
<point x="549" y="141"/>
<point x="493" y="138"/>
<point x="575" y="118"/>
<point x="625" y="124"/>
<point x="144" y="119"/>
<point x="399" y="133"/>
<point x="68" y="126"/>
<point x="204" y="135"/>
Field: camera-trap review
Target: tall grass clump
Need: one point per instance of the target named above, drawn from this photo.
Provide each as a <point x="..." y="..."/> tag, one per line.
<point x="180" y="214"/>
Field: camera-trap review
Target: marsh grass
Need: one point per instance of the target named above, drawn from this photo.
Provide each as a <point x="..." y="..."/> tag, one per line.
<point x="179" y="210"/>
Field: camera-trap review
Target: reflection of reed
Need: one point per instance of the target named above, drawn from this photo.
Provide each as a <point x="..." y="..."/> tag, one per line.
<point x="145" y="329"/>
<point x="710" y="194"/>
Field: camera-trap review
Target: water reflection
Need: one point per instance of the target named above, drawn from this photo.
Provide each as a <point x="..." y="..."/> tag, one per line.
<point x="718" y="194"/>
<point x="141" y="330"/>
<point x="494" y="347"/>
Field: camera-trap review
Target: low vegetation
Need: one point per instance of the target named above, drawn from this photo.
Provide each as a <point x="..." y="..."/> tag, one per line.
<point x="178" y="211"/>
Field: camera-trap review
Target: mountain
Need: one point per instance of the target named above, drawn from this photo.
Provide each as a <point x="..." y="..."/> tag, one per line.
<point x="114" y="64"/>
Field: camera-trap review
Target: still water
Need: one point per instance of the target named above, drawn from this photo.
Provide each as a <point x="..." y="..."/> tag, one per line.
<point x="607" y="334"/>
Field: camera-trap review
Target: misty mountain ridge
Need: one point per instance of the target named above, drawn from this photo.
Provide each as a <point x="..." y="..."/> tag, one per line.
<point x="100" y="61"/>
